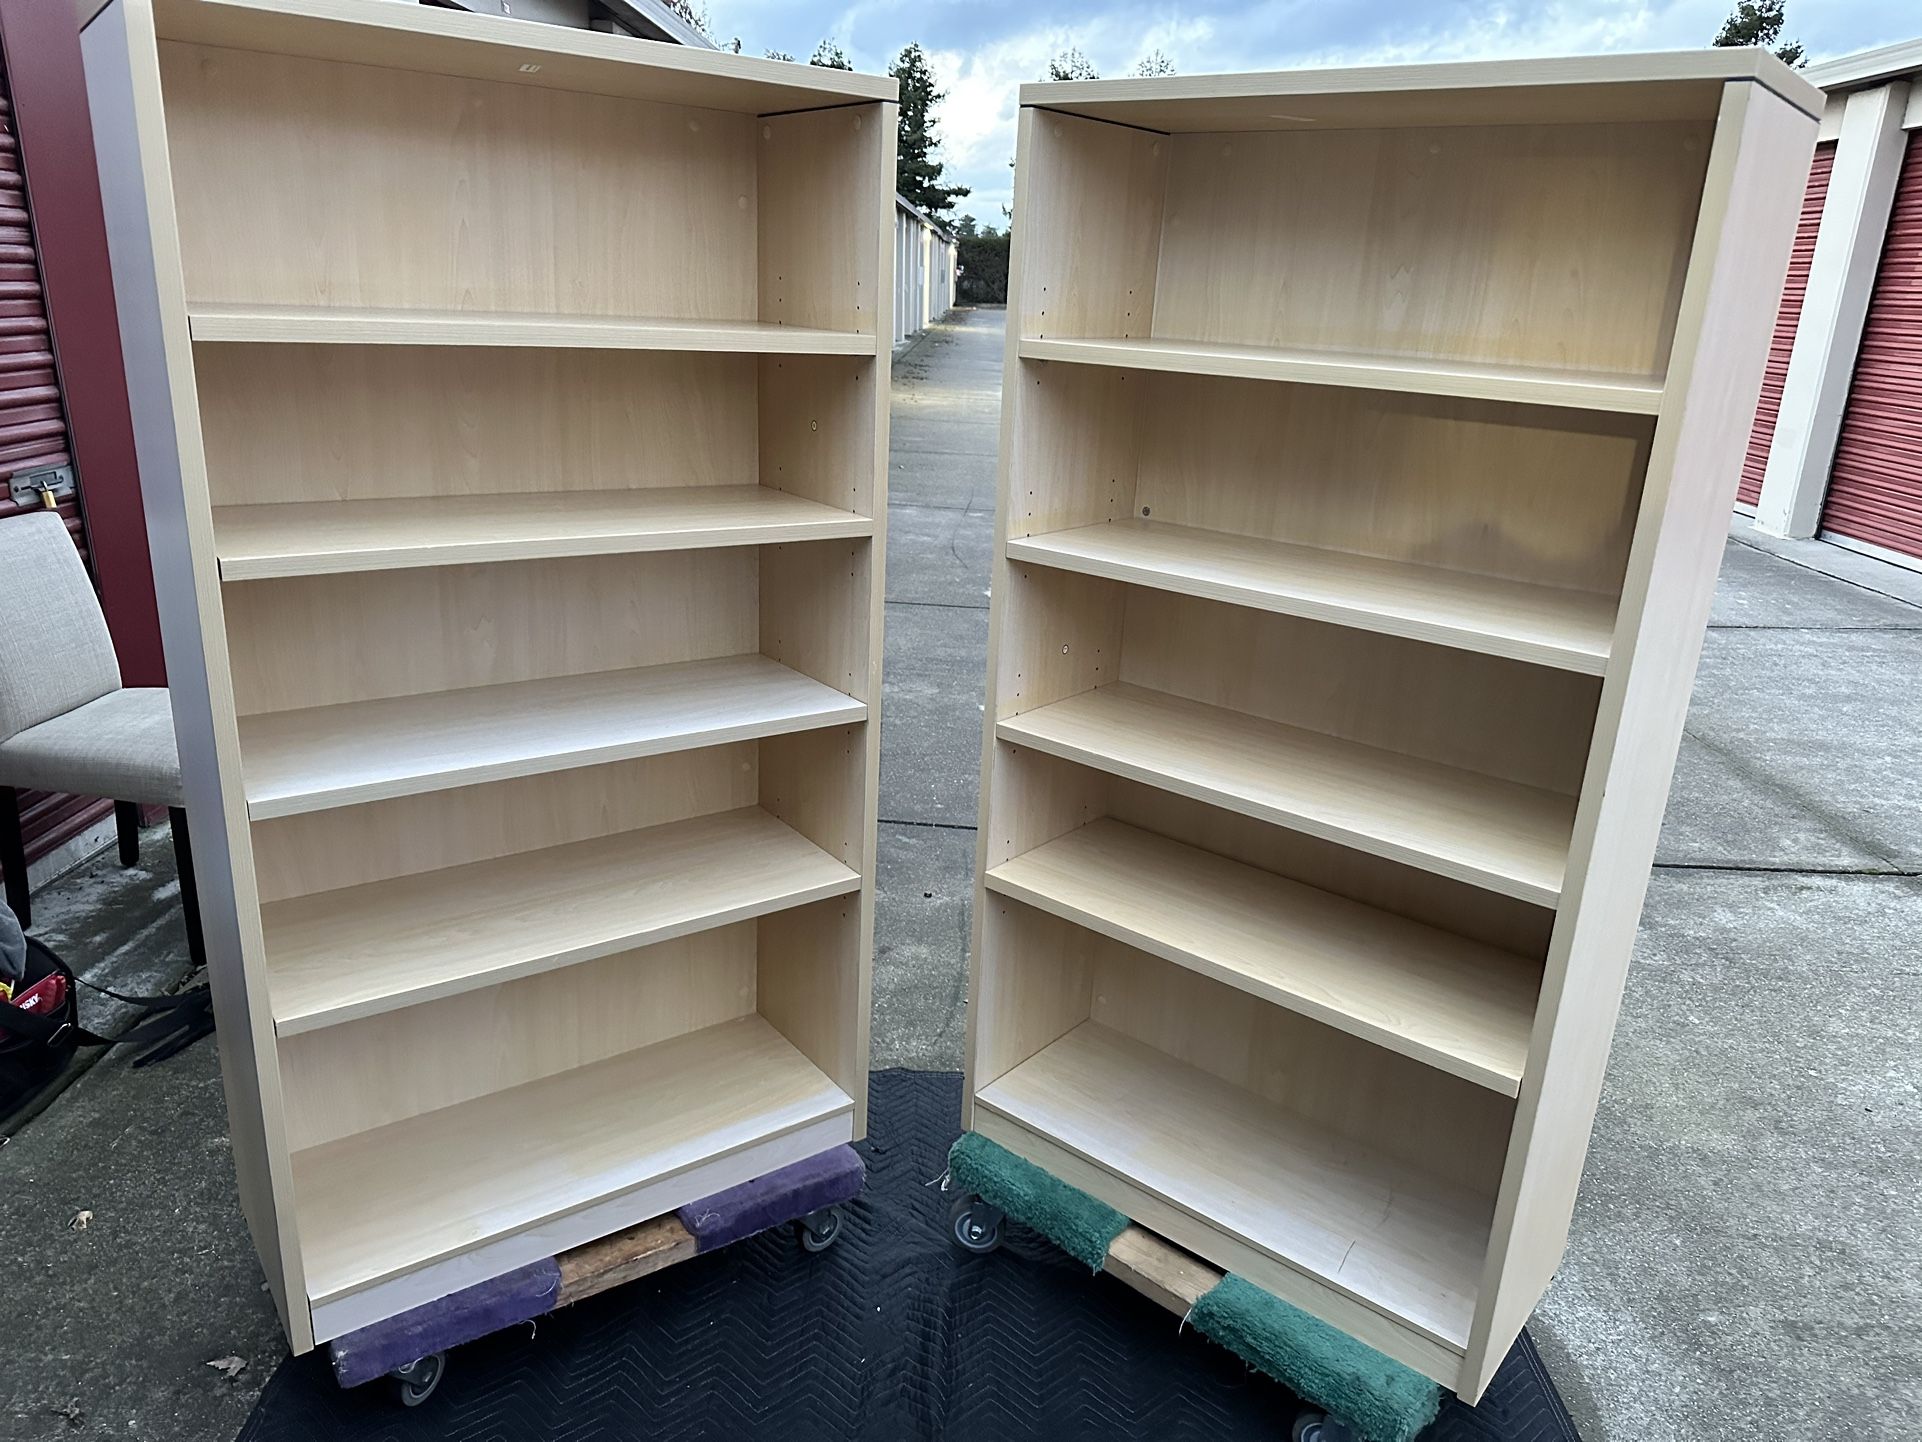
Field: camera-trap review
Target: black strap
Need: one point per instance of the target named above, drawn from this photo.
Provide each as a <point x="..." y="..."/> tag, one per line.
<point x="190" y="1011"/>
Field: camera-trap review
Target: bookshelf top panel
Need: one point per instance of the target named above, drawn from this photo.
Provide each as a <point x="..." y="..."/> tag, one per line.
<point x="519" y="52"/>
<point x="1670" y="85"/>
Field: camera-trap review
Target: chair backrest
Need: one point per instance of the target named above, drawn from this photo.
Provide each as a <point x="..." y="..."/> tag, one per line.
<point x="55" y="653"/>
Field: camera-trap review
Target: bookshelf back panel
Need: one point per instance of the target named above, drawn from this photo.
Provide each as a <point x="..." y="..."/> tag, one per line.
<point x="347" y="1079"/>
<point x="1540" y="495"/>
<point x="354" y="845"/>
<point x="1561" y="246"/>
<point x="1448" y="1127"/>
<point x="312" y="182"/>
<point x="318" y="640"/>
<point x="351" y="423"/>
<point x="1483" y="713"/>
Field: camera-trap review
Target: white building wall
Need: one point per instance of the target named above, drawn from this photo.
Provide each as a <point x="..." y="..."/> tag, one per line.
<point x="923" y="273"/>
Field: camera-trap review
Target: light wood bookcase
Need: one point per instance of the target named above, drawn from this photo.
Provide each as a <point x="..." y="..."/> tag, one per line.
<point x="512" y="414"/>
<point x="1368" y="446"/>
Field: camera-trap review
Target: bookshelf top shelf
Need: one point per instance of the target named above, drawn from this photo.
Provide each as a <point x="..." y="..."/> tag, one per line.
<point x="353" y="325"/>
<point x="516" y="52"/>
<point x="1670" y="85"/>
<point x="1409" y="375"/>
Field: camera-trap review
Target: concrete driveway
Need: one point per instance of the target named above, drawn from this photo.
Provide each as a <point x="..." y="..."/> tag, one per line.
<point x="1747" y="1253"/>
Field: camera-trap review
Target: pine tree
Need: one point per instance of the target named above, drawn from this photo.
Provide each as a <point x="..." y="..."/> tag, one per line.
<point x="917" y="174"/>
<point x="1071" y="64"/>
<point x="830" y="56"/>
<point x="1760" y="22"/>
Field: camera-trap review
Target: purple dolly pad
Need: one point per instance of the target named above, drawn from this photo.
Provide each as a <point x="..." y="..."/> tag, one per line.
<point x="516" y="1296"/>
<point x="832" y="1177"/>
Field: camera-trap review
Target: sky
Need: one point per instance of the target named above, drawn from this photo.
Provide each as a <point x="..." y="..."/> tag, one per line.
<point x="984" y="50"/>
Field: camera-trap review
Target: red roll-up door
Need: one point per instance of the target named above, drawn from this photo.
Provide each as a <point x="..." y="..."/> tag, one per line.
<point x="33" y="432"/>
<point x="1875" y="485"/>
<point x="1786" y="316"/>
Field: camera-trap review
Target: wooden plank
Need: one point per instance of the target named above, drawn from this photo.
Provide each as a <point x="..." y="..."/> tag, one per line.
<point x="1625" y="395"/>
<point x="385" y="1202"/>
<point x="624" y="1257"/>
<point x="1556" y="90"/>
<point x="319" y="538"/>
<point x="130" y="144"/>
<point x="1740" y="250"/>
<point x="1544" y="624"/>
<point x="326" y="325"/>
<point x="1456" y="1004"/>
<point x="339" y="955"/>
<point x="515" y="52"/>
<point x="356" y="751"/>
<point x="1404" y="1243"/>
<point x="1159" y="1270"/>
<point x="1496" y="834"/>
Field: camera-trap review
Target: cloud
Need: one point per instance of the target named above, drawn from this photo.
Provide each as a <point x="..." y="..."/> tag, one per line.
<point x="984" y="50"/>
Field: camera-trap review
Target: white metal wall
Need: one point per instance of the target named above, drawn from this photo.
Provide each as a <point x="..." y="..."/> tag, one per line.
<point x="923" y="273"/>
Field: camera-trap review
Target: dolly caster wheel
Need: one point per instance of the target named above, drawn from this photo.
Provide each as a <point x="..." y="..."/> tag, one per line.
<point x="976" y="1224"/>
<point x="820" y="1230"/>
<point x="1320" y="1427"/>
<point x="418" y="1379"/>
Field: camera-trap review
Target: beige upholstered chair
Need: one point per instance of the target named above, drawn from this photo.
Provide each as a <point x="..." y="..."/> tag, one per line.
<point x="66" y="722"/>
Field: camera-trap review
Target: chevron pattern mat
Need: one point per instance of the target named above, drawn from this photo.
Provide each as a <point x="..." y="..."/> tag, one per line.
<point x="893" y="1335"/>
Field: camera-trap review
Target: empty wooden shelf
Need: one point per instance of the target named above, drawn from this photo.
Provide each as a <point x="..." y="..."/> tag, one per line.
<point x="1549" y="624"/>
<point x="513" y="424"/>
<point x="1457" y="1004"/>
<point x="319" y="538"/>
<point x="1319" y="1204"/>
<point x="1635" y="395"/>
<point x="1509" y="838"/>
<point x="327" y="325"/>
<point x="337" y="955"/>
<point x="1368" y="442"/>
<point x="451" y="1181"/>
<point x="394" y="746"/>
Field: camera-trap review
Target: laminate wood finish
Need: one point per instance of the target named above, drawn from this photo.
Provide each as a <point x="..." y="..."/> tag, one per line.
<point x="1406" y="1244"/>
<point x="338" y="955"/>
<point x="533" y="54"/>
<point x="319" y="538"/>
<point x="1543" y="624"/>
<point x="1458" y="1005"/>
<point x="368" y="750"/>
<point x="322" y="325"/>
<point x="1499" y="834"/>
<point x="383" y="1202"/>
<point x="1626" y="395"/>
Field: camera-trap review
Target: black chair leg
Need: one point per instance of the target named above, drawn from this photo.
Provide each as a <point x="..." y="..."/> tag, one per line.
<point x="189" y="891"/>
<point x="13" y="856"/>
<point x="126" y="821"/>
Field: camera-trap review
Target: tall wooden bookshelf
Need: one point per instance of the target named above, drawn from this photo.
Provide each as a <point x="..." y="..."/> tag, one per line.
<point x="1369" y="441"/>
<point x="512" y="414"/>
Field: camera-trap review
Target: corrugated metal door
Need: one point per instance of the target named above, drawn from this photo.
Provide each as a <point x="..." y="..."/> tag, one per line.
<point x="33" y="430"/>
<point x="1794" y="288"/>
<point x="1875" y="485"/>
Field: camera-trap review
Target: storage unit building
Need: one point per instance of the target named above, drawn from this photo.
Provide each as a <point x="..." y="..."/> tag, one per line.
<point x="1837" y="446"/>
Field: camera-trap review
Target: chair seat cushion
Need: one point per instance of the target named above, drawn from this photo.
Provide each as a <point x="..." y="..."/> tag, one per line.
<point x="120" y="746"/>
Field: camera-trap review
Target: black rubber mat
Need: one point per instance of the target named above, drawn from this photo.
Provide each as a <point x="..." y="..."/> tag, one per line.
<point x="892" y="1335"/>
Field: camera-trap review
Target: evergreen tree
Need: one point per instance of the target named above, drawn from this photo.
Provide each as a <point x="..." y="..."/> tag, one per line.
<point x="1155" y="62"/>
<point x="1760" y="22"/>
<point x="917" y="174"/>
<point x="1071" y="64"/>
<point x="830" y="56"/>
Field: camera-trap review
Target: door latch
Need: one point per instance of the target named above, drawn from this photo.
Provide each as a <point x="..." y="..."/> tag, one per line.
<point x="51" y="484"/>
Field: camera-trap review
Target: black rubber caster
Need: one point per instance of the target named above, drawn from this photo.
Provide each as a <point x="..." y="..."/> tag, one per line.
<point x="820" y="1230"/>
<point x="1320" y="1427"/>
<point x="417" y="1380"/>
<point x="976" y="1224"/>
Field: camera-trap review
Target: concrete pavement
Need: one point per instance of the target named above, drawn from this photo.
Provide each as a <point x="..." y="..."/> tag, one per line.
<point x="1747" y="1252"/>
